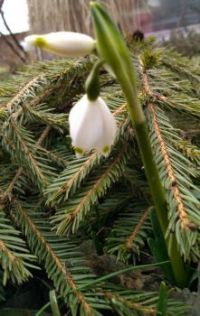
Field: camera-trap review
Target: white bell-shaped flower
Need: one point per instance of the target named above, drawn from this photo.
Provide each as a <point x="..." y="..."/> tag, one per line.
<point x="69" y="44"/>
<point x="92" y="125"/>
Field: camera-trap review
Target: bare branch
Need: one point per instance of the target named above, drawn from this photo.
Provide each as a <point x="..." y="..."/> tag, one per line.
<point x="11" y="33"/>
<point x="12" y="47"/>
<point x="1" y="3"/>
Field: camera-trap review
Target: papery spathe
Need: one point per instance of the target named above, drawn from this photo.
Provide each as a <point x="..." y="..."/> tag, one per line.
<point x="92" y="126"/>
<point x="69" y="44"/>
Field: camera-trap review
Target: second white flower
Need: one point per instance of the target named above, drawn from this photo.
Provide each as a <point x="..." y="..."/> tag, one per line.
<point x="68" y="44"/>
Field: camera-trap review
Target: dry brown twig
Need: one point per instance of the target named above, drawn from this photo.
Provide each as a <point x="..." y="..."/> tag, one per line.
<point x="10" y="44"/>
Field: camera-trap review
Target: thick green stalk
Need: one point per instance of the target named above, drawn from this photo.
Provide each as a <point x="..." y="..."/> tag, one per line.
<point x="179" y="273"/>
<point x="137" y="117"/>
<point x="112" y="49"/>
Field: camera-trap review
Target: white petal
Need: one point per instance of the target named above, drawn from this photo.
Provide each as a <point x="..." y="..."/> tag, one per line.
<point x="69" y="44"/>
<point x="85" y="124"/>
<point x="27" y="46"/>
<point x="109" y="126"/>
<point x="31" y="39"/>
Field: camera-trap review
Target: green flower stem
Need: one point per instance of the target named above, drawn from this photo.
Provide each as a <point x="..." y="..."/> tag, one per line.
<point x="92" y="85"/>
<point x="113" y="51"/>
<point x="179" y="273"/>
<point x="151" y="173"/>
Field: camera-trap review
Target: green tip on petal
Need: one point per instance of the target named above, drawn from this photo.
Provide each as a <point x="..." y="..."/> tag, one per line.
<point x="106" y="150"/>
<point x="40" y="42"/>
<point x="79" y="152"/>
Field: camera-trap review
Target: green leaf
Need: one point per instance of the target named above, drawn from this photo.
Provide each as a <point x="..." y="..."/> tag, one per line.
<point x="162" y="301"/>
<point x="54" y="303"/>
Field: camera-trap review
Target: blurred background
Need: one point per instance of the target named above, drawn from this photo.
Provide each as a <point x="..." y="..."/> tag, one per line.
<point x="172" y="21"/>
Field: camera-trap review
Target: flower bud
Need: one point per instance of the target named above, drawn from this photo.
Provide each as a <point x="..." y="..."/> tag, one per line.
<point x="69" y="44"/>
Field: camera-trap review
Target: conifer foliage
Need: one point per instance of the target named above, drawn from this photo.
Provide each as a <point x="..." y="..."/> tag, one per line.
<point x="52" y="203"/>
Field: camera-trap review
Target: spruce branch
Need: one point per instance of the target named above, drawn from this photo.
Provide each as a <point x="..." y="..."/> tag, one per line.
<point x="62" y="77"/>
<point x="61" y="258"/>
<point x="146" y="85"/>
<point x="172" y="166"/>
<point x="57" y="157"/>
<point x="183" y="72"/>
<point x="126" y="306"/>
<point x="28" y="90"/>
<point x="70" y="215"/>
<point x="173" y="92"/>
<point x="42" y="113"/>
<point x="183" y="102"/>
<point x="126" y="239"/>
<point x="14" y="255"/>
<point x="8" y="192"/>
<point x="141" y="303"/>
<point x="132" y="237"/>
<point x="29" y="96"/>
<point x="175" y="172"/>
<point x="19" y="142"/>
<point x="184" y="221"/>
<point x="112" y="204"/>
<point x="72" y="177"/>
<point x="189" y="150"/>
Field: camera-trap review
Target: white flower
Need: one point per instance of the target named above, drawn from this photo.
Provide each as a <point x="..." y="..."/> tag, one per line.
<point x="27" y="47"/>
<point x="68" y="44"/>
<point x="92" y="125"/>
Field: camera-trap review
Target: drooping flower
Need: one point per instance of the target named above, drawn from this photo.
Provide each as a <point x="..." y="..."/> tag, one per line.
<point x="68" y="44"/>
<point x="92" y="126"/>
